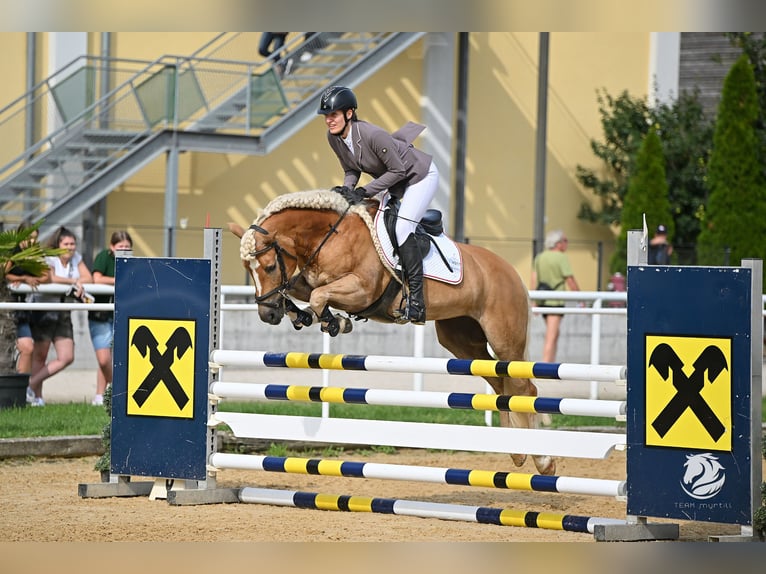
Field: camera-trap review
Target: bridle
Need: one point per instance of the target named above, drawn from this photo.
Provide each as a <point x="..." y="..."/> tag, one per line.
<point x="287" y="283"/>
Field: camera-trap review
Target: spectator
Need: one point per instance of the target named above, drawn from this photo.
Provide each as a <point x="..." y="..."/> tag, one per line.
<point x="272" y="43"/>
<point x="552" y="271"/>
<point x="56" y="326"/>
<point x="16" y="276"/>
<point x="101" y="323"/>
<point x="659" y="248"/>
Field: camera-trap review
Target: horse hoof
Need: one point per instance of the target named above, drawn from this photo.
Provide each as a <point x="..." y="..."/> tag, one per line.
<point x="346" y="325"/>
<point x="545" y="465"/>
<point x="305" y="318"/>
<point x="331" y="327"/>
<point x="519" y="459"/>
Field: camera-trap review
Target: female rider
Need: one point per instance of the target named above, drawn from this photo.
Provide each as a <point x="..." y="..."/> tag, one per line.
<point x="397" y="167"/>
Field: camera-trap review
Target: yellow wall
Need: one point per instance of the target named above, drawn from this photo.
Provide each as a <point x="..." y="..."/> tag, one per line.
<point x="234" y="187"/>
<point x="151" y="45"/>
<point x="501" y="124"/>
<point x="13" y="71"/>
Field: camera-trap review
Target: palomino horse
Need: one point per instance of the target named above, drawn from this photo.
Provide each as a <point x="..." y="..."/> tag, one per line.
<point x="313" y="247"/>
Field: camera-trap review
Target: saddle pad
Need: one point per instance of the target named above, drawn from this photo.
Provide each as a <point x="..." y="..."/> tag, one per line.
<point x="433" y="265"/>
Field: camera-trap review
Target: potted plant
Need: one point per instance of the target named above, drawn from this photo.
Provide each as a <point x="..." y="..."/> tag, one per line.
<point x="32" y="259"/>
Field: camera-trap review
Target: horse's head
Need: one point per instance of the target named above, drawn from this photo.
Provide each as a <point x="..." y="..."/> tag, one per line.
<point x="271" y="263"/>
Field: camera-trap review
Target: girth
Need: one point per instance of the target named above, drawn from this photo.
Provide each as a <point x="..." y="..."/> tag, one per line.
<point x="379" y="308"/>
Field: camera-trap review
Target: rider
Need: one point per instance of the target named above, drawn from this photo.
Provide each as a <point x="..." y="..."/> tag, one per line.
<point x="397" y="167"/>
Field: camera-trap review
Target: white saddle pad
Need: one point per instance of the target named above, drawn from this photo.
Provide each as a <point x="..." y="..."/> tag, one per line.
<point x="433" y="264"/>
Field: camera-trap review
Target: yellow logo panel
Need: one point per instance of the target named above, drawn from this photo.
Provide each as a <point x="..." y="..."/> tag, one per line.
<point x="161" y="368"/>
<point x="688" y="392"/>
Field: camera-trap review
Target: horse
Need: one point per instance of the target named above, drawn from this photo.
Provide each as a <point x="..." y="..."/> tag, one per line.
<point x="314" y="247"/>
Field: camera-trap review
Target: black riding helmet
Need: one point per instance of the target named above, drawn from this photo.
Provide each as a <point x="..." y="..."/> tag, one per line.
<point x="336" y="98"/>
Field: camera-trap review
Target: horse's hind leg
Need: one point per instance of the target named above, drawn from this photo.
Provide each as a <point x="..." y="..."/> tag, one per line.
<point x="465" y="338"/>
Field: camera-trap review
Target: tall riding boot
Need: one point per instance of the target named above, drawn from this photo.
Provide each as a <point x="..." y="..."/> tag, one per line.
<point x="412" y="265"/>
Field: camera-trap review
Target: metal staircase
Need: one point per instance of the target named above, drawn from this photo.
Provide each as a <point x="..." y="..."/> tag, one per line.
<point x="214" y="101"/>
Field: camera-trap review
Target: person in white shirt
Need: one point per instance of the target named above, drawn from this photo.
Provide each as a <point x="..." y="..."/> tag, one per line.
<point x="56" y="326"/>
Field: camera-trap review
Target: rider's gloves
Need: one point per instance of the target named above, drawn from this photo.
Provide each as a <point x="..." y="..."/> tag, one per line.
<point x="353" y="196"/>
<point x="358" y="195"/>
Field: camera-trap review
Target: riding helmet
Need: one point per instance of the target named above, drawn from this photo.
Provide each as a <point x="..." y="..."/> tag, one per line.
<point x="336" y="98"/>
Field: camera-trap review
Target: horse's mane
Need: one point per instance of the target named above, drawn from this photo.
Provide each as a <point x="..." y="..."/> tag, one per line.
<point x="311" y="199"/>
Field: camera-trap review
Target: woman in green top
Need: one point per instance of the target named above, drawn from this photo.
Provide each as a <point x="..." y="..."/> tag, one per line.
<point x="553" y="269"/>
<point x="101" y="323"/>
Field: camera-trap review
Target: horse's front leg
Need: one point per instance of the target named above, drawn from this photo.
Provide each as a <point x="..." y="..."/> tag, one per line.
<point x="299" y="317"/>
<point x="347" y="293"/>
<point x="334" y="324"/>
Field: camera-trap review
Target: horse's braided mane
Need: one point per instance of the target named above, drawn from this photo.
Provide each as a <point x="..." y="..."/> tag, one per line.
<point x="311" y="199"/>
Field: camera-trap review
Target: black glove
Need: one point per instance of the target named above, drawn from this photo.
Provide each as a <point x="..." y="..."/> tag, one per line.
<point x="356" y="196"/>
<point x="353" y="196"/>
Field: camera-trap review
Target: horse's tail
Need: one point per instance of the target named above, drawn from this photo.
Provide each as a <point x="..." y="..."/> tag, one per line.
<point x="530" y="317"/>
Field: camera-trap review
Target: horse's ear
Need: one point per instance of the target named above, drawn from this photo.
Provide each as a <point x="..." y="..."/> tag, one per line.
<point x="236" y="229"/>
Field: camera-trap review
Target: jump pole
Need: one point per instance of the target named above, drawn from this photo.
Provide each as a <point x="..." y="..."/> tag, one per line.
<point x="176" y="438"/>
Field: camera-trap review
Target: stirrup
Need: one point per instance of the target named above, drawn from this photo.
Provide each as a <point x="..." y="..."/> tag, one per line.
<point x="400" y="314"/>
<point x="414" y="314"/>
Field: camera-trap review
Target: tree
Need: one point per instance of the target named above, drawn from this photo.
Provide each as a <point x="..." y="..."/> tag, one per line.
<point x="734" y="219"/>
<point x="686" y="137"/>
<point x="753" y="45"/>
<point x="625" y="121"/>
<point x="647" y="194"/>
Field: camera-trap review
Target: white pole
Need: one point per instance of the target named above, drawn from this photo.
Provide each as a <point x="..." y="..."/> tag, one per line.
<point x="595" y="345"/>
<point x="418" y="346"/>
<point x="325" y="374"/>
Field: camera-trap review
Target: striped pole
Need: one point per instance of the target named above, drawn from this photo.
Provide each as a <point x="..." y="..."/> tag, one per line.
<point x="473" y="367"/>
<point x="455" y="476"/>
<point x="480" y="514"/>
<point x="433" y="399"/>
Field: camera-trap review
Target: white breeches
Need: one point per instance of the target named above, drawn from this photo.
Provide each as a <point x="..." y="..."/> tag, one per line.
<point x="415" y="202"/>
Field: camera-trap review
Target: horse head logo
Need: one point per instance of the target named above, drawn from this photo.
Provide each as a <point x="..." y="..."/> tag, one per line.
<point x="704" y="476"/>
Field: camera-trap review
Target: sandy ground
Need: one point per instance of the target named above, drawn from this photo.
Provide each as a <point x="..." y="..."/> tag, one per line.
<point x="40" y="502"/>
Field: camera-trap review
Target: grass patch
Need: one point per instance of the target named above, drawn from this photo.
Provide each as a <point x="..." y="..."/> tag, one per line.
<point x="81" y="419"/>
<point x="73" y="419"/>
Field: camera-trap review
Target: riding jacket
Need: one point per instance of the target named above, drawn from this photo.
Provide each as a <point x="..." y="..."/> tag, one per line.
<point x="389" y="158"/>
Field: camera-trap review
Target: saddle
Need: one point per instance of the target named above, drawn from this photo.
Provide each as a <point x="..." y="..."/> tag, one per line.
<point x="441" y="257"/>
<point x="429" y="227"/>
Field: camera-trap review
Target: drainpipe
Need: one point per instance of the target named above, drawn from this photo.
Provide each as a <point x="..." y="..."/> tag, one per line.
<point x="541" y="144"/>
<point x="29" y="133"/>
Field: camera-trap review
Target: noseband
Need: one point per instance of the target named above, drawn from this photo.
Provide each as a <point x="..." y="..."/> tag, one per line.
<point x="287" y="282"/>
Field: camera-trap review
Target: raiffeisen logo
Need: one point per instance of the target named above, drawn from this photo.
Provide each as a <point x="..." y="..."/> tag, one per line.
<point x="704" y="476"/>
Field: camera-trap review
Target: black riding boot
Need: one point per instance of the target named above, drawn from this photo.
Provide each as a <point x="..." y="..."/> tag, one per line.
<point x="412" y="265"/>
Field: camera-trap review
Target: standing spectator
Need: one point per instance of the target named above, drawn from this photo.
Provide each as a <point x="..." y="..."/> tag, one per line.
<point x="272" y="43"/>
<point x="101" y="323"/>
<point x="56" y="326"/>
<point x="659" y="248"/>
<point x="15" y="275"/>
<point x="552" y="271"/>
